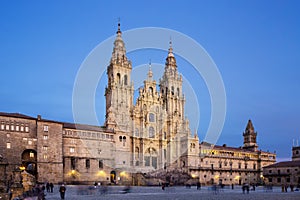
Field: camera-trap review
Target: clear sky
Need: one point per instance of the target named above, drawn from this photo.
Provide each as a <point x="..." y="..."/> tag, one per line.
<point x="255" y="44"/>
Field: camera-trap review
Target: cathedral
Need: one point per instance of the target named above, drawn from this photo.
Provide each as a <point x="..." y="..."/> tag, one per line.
<point x="149" y="137"/>
<point x="158" y="131"/>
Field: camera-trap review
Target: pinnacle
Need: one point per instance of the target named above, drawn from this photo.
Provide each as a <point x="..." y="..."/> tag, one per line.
<point x="249" y="125"/>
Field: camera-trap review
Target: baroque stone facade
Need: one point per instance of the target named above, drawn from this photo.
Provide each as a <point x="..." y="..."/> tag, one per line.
<point x="152" y="135"/>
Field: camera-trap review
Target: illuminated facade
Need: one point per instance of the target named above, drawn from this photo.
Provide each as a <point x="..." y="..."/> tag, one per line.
<point x="227" y="165"/>
<point x="151" y="135"/>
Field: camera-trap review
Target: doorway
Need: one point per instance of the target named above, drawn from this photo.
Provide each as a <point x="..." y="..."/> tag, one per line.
<point x="113" y="177"/>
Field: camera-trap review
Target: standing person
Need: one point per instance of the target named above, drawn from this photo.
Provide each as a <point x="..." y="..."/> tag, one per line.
<point x="43" y="188"/>
<point x="198" y="185"/>
<point x="48" y="187"/>
<point x="163" y="186"/>
<point x="9" y="194"/>
<point x="292" y="187"/>
<point x="244" y="188"/>
<point x="62" y="191"/>
<point x="286" y="187"/>
<point x="51" y="187"/>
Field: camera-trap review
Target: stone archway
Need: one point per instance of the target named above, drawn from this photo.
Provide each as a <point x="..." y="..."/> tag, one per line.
<point x="29" y="160"/>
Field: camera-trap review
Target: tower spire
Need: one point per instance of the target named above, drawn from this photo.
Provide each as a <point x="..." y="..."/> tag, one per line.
<point x="119" y="27"/>
<point x="170" y="60"/>
<point x="150" y="74"/>
<point x="119" y="51"/>
<point x="170" y="53"/>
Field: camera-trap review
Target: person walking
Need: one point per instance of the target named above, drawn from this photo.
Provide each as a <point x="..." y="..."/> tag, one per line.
<point x="62" y="191"/>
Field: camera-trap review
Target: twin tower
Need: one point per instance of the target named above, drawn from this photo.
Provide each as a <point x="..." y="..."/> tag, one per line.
<point x="154" y="132"/>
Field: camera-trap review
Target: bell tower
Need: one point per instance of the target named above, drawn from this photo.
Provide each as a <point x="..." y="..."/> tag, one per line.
<point x="296" y="153"/>
<point x="250" y="137"/>
<point x="119" y="91"/>
<point x="171" y="87"/>
<point x="172" y="98"/>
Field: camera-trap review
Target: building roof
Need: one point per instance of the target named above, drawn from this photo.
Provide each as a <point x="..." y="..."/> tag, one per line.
<point x="285" y="164"/>
<point x="85" y="127"/>
<point x="226" y="148"/>
<point x="65" y="124"/>
<point x="16" y="115"/>
<point x="238" y="149"/>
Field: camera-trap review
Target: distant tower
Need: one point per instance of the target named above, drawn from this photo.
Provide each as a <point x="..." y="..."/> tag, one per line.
<point x="250" y="137"/>
<point x="119" y="91"/>
<point x="296" y="153"/>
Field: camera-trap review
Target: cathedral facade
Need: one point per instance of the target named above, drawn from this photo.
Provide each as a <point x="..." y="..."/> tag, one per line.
<point x="150" y="135"/>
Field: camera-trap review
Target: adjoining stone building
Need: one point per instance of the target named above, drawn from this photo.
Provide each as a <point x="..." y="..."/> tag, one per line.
<point x="152" y="135"/>
<point x="232" y="165"/>
<point x="286" y="172"/>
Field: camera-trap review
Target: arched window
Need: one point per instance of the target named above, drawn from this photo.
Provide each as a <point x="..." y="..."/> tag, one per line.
<point x="137" y="156"/>
<point x="193" y="146"/>
<point x="100" y="164"/>
<point x="125" y="79"/>
<point x="118" y="78"/>
<point x="120" y="138"/>
<point x="137" y="134"/>
<point x="124" y="141"/>
<point x="151" y="90"/>
<point x="151" y="132"/>
<point x="172" y="90"/>
<point x="178" y="91"/>
<point x="151" y="117"/>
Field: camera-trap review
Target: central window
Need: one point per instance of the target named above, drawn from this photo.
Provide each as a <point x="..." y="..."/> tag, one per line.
<point x="151" y="132"/>
<point x="151" y="117"/>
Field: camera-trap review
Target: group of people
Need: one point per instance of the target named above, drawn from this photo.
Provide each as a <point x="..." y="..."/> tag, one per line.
<point x="49" y="187"/>
<point x="245" y="187"/>
<point x="284" y="188"/>
<point x="40" y="190"/>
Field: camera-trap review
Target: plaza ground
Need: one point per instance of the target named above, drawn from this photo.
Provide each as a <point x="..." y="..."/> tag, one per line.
<point x="170" y="193"/>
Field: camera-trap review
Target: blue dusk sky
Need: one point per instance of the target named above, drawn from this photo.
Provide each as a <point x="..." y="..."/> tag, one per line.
<point x="254" y="44"/>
